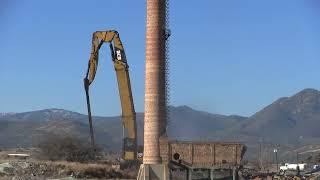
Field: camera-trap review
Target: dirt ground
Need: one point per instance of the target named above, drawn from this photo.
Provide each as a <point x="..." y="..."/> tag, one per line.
<point x="30" y="168"/>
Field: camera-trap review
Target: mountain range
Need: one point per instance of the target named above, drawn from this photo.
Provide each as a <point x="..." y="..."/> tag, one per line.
<point x="25" y="129"/>
<point x="290" y="121"/>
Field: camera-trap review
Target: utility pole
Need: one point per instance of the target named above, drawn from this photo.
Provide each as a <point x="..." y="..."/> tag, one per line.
<point x="276" y="151"/>
<point x="261" y="150"/>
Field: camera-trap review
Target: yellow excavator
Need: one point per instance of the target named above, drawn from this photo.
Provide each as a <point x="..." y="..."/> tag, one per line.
<point x="129" y="151"/>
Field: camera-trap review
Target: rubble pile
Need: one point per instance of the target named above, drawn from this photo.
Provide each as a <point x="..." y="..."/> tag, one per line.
<point x="43" y="170"/>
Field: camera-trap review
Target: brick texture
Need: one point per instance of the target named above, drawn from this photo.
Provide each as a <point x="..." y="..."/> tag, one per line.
<point x="155" y="87"/>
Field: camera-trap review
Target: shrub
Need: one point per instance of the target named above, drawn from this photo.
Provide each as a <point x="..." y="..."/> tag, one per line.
<point x="68" y="148"/>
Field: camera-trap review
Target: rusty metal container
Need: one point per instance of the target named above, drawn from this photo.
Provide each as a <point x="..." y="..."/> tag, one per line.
<point x="203" y="154"/>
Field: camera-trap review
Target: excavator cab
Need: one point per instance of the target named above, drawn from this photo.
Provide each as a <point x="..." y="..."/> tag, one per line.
<point x="129" y="148"/>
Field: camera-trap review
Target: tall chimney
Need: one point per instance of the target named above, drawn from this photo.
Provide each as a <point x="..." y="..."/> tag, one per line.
<point x="155" y="83"/>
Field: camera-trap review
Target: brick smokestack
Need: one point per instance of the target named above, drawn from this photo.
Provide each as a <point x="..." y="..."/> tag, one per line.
<point x="155" y="83"/>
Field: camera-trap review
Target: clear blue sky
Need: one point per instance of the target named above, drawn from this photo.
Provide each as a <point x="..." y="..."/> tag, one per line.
<point x="228" y="57"/>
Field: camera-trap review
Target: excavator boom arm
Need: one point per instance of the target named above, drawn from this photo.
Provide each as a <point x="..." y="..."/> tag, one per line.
<point x="98" y="38"/>
<point x="124" y="86"/>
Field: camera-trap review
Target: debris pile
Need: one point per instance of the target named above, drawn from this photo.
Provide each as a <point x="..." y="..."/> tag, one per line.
<point x="39" y="170"/>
